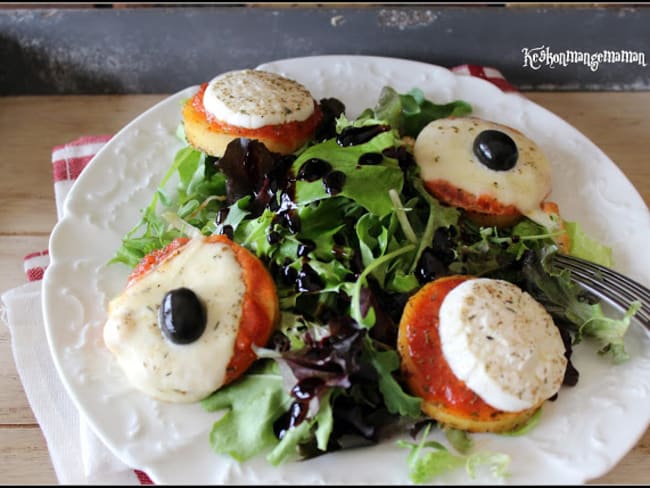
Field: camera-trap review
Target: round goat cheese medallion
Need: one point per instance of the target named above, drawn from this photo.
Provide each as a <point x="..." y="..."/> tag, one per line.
<point x="167" y="371"/>
<point x="444" y="152"/>
<point x="502" y="343"/>
<point x="254" y="98"/>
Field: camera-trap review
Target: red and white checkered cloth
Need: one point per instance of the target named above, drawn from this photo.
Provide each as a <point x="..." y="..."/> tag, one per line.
<point x="485" y="72"/>
<point x="69" y="160"/>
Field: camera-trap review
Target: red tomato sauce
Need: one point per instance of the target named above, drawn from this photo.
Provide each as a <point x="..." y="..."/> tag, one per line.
<point x="292" y="131"/>
<point x="154" y="258"/>
<point x="430" y="376"/>
<point x="258" y="310"/>
<point x="452" y="195"/>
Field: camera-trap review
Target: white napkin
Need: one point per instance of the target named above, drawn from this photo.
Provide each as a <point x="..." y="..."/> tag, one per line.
<point x="69" y="439"/>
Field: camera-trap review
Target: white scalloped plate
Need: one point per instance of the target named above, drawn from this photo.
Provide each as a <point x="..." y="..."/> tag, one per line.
<point x="581" y="435"/>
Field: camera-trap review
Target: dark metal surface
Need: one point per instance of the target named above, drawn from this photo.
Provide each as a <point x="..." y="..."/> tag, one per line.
<point x="159" y="50"/>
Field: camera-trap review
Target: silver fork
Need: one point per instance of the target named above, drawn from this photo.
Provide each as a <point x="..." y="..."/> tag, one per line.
<point x="615" y="288"/>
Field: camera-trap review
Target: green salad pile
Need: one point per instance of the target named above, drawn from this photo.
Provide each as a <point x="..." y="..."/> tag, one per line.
<point x="349" y="233"/>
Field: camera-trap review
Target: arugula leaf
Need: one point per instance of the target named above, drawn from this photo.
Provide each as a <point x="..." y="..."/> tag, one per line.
<point x="355" y="310"/>
<point x="373" y="238"/>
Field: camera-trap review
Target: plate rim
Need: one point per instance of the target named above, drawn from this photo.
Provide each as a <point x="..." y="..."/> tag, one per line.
<point x="45" y="305"/>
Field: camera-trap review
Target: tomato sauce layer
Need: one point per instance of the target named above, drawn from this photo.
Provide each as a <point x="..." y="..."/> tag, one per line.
<point x="429" y="374"/>
<point x="291" y="131"/>
<point x="452" y="195"/>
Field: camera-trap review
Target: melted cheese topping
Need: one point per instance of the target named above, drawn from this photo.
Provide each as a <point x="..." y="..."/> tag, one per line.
<point x="502" y="343"/>
<point x="173" y="372"/>
<point x="444" y="151"/>
<point x="253" y="99"/>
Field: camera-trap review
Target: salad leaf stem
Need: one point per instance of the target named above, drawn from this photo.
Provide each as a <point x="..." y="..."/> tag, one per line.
<point x="178" y="223"/>
<point x="356" y="289"/>
<point x="400" y="211"/>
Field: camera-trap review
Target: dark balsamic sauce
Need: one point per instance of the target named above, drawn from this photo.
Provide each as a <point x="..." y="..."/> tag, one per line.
<point x="306" y="246"/>
<point x="313" y="169"/>
<point x="333" y="182"/>
<point x="370" y="158"/>
<point x="353" y="136"/>
<point x="308" y="280"/>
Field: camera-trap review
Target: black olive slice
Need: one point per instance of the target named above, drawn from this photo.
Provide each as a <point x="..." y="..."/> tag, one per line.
<point x="496" y="150"/>
<point x="182" y="317"/>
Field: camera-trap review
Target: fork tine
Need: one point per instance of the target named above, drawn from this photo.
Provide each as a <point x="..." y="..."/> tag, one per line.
<point x="611" y="294"/>
<point x="603" y="274"/>
<point x="617" y="289"/>
<point x="617" y="286"/>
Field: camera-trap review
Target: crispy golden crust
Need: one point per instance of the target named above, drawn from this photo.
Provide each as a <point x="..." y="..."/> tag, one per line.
<point x="501" y="421"/>
<point x="205" y="137"/>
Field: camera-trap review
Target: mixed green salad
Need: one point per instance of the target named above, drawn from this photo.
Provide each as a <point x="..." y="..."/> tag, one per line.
<point x="349" y="233"/>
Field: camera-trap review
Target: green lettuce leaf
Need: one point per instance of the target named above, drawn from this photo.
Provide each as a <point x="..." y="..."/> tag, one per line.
<point x="411" y="112"/>
<point x="585" y="247"/>
<point x="459" y="439"/>
<point x="530" y="424"/>
<point x="196" y="198"/>
<point x="320" y="427"/>
<point x="429" y="459"/>
<point x="565" y="299"/>
<point x="252" y="405"/>
<point x="288" y="446"/>
<point x="396" y="399"/>
<point x="367" y="185"/>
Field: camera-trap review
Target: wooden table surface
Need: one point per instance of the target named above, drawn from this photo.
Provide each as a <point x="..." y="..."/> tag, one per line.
<point x="619" y="123"/>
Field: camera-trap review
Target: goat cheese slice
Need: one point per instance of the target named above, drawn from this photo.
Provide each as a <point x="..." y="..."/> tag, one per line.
<point x="253" y="98"/>
<point x="502" y="343"/>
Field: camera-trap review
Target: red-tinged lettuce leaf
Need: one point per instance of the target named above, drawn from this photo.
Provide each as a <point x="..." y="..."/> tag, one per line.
<point x="252" y="170"/>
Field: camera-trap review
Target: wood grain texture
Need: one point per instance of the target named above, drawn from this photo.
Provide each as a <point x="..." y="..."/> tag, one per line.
<point x="25" y="459"/>
<point x="616" y="122"/>
<point x="619" y="123"/>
